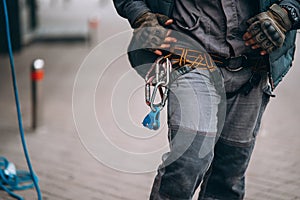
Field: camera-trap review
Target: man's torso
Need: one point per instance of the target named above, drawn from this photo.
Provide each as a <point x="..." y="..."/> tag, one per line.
<point x="217" y="24"/>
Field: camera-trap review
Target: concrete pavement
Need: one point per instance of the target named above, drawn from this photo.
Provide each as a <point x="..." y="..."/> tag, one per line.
<point x="70" y="160"/>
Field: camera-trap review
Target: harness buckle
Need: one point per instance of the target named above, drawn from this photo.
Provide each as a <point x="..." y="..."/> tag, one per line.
<point x="231" y="63"/>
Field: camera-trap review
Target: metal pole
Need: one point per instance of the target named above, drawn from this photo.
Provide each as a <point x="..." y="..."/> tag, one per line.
<point x="37" y="75"/>
<point x="93" y="27"/>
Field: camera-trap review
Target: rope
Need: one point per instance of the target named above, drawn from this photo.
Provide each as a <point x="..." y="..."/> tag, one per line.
<point x="20" y="123"/>
<point x="12" y="179"/>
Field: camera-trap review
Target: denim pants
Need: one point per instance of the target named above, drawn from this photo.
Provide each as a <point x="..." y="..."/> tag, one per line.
<point x="211" y="139"/>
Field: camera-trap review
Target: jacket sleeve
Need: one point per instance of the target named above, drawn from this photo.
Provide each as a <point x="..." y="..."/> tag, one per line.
<point x="131" y="9"/>
<point x="296" y="5"/>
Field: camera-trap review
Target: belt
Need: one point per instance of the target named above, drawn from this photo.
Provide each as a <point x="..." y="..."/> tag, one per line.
<point x="191" y="58"/>
<point x="185" y="60"/>
<point x="197" y="59"/>
<point x="234" y="64"/>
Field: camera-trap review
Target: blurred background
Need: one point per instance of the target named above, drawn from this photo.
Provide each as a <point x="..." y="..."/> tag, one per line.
<point x="86" y="73"/>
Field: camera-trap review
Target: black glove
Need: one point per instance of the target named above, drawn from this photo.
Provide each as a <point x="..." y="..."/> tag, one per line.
<point x="268" y="28"/>
<point x="149" y="30"/>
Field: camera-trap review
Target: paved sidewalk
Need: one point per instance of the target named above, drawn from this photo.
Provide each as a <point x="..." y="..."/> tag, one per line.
<point x="68" y="170"/>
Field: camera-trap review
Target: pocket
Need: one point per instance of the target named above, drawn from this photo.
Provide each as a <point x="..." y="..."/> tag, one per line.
<point x="235" y="80"/>
<point x="264" y="103"/>
<point x="227" y="76"/>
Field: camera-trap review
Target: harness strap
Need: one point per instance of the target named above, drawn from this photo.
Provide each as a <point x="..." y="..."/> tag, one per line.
<point x="191" y="58"/>
<point x="179" y="72"/>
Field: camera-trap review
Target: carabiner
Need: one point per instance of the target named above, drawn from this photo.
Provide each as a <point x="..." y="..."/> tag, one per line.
<point x="152" y="99"/>
<point x="160" y="79"/>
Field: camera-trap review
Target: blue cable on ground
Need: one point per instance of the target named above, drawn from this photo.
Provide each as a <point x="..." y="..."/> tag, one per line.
<point x="20" y="123"/>
<point x="12" y="179"/>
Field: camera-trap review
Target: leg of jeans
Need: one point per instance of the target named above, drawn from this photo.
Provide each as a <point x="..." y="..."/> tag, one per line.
<point x="192" y="117"/>
<point x="178" y="179"/>
<point x="226" y="177"/>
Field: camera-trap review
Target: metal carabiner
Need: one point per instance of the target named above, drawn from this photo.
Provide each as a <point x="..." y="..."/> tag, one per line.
<point x="152" y="98"/>
<point x="162" y="68"/>
<point x="159" y="80"/>
<point x="167" y="68"/>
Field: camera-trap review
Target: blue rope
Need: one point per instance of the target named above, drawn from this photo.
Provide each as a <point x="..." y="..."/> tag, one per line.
<point x="16" y="93"/>
<point x="12" y="179"/>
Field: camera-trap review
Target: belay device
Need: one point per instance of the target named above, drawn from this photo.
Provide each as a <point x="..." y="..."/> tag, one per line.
<point x="157" y="77"/>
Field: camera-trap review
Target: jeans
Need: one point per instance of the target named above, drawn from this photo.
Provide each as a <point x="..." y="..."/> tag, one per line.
<point x="211" y="139"/>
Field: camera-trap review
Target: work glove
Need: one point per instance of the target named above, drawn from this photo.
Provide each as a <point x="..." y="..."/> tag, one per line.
<point x="267" y="29"/>
<point x="149" y="30"/>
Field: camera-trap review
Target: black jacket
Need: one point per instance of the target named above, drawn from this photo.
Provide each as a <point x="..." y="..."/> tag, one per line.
<point x="280" y="60"/>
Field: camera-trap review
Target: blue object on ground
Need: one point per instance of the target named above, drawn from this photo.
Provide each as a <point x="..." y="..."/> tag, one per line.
<point x="12" y="179"/>
<point x="152" y="120"/>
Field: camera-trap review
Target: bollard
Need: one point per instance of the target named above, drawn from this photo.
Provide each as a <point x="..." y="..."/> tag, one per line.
<point x="37" y="75"/>
<point x="93" y="27"/>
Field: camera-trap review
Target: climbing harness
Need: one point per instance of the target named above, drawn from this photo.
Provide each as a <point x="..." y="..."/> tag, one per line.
<point x="10" y="178"/>
<point x="157" y="77"/>
<point x="162" y="74"/>
<point x="200" y="59"/>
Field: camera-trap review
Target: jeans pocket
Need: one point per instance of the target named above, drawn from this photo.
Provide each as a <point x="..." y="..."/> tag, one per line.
<point x="227" y="76"/>
<point x="264" y="103"/>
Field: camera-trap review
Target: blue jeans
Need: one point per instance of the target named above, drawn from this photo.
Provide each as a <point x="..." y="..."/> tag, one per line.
<point x="211" y="139"/>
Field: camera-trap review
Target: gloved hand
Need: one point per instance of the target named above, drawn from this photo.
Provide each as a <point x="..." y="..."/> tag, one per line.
<point x="150" y="32"/>
<point x="267" y="30"/>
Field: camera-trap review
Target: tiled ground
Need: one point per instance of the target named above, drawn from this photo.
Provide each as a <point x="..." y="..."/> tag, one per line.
<point x="66" y="168"/>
